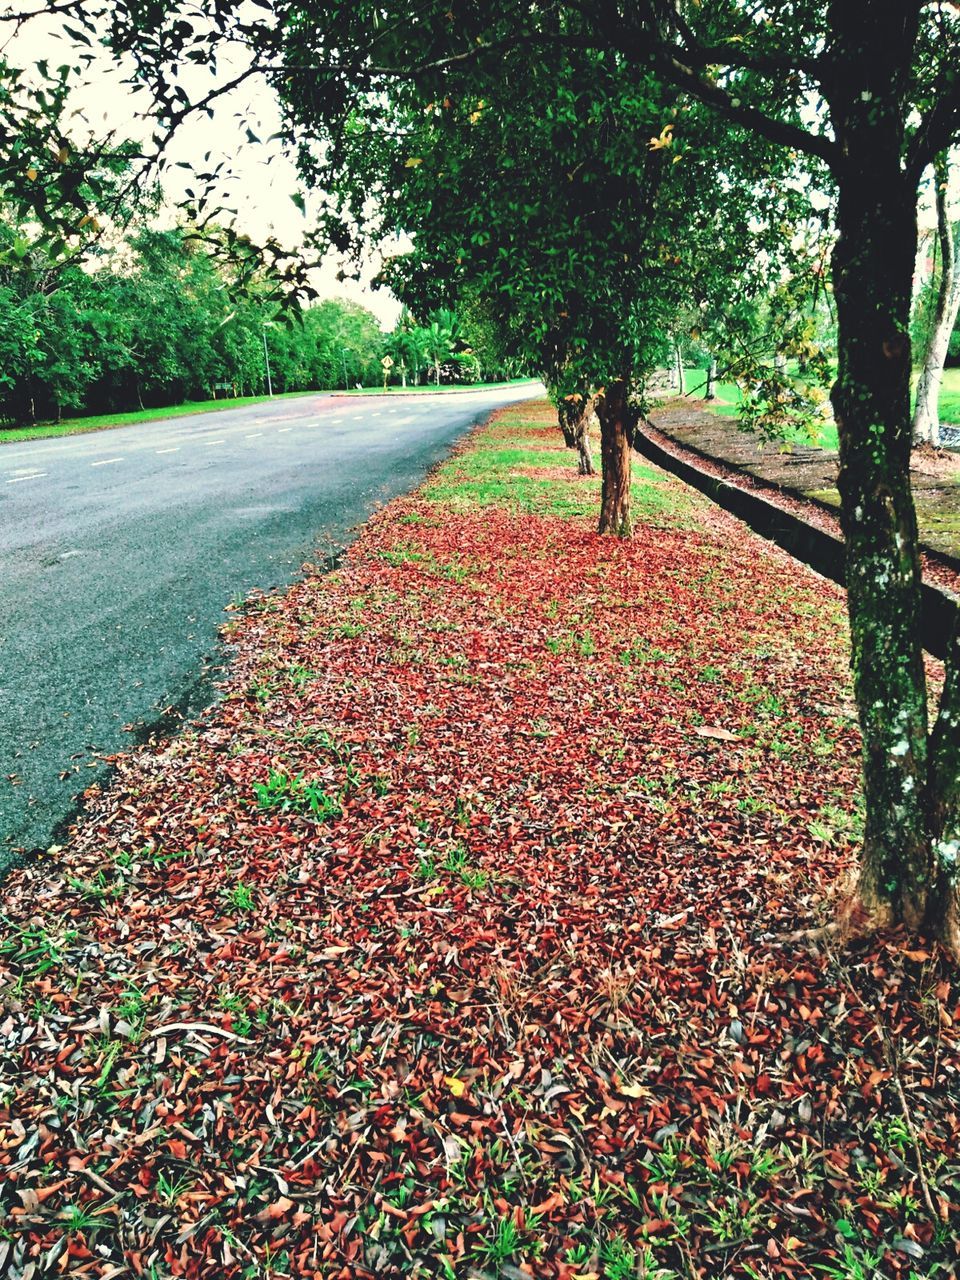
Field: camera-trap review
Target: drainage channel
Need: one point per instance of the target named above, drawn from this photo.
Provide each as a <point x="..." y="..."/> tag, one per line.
<point x="820" y="550"/>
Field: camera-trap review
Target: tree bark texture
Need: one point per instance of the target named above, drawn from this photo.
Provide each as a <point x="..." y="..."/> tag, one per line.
<point x="617" y="421"/>
<point x="872" y="272"/>
<point x="566" y="416"/>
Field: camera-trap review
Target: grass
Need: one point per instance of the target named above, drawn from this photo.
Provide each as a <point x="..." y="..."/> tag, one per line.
<point x="949" y="406"/>
<point x="525" y="479"/>
<point x="103" y="421"/>
<point x="950" y="397"/>
<point x="433" y="390"/>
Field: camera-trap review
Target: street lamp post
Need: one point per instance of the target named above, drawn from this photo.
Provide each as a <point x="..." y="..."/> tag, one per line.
<point x="343" y="357"/>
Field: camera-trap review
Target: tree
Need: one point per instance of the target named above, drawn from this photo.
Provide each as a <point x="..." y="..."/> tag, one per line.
<point x="440" y="339"/>
<point x="586" y="283"/>
<point x="926" y="414"/>
<point x="154" y="320"/>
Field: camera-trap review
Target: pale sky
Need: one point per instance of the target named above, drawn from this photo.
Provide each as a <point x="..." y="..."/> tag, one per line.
<point x="263" y="178"/>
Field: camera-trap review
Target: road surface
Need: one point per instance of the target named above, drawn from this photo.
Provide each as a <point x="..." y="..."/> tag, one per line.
<point x="119" y="550"/>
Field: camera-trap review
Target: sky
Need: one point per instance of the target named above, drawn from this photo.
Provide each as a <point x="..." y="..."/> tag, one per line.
<point x="263" y="177"/>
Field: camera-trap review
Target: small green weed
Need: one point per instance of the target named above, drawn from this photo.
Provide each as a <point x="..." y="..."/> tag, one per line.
<point x="76" y="1219"/>
<point x="170" y="1189"/>
<point x="293" y="794"/>
<point x="241" y="897"/>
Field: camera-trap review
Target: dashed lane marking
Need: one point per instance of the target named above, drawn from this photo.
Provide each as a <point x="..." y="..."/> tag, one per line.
<point x="36" y="476"/>
<point x="175" y="449"/>
<point x="104" y="462"/>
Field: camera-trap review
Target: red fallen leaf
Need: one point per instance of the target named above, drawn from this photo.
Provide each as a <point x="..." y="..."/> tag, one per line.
<point x="177" y="1147"/>
<point x="276" y="1210"/>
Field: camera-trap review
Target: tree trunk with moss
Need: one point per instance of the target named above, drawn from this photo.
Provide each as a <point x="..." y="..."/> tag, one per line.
<point x="908" y="871"/>
<point x="926" y="414"/>
<point x="617" y="422"/>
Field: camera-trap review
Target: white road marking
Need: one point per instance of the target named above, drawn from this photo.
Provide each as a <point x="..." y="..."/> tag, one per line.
<point x="209" y="442"/>
<point x="176" y="449"/>
<point x="36" y="476"/>
<point x="255" y="435"/>
<point x="281" y="430"/>
<point x="105" y="462"/>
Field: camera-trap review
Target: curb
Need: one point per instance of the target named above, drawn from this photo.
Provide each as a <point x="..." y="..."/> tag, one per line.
<point x="822" y="551"/>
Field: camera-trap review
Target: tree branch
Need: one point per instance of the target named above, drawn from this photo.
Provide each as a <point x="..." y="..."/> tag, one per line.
<point x="677" y="64"/>
<point x="780" y="131"/>
<point x="936" y="132"/>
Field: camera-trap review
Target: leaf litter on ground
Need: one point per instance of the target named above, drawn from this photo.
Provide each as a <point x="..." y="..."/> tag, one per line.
<point x="479" y="930"/>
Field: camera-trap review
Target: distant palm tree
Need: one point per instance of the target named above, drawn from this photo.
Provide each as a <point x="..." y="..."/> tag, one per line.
<point x="443" y="335"/>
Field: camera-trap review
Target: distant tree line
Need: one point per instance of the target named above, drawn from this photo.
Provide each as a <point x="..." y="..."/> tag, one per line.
<point x="154" y="321"/>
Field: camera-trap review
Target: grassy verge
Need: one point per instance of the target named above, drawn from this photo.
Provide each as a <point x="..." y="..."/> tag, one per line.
<point x="471" y="934"/>
<point x="731" y="394"/>
<point x="434" y="391"/>
<point x="100" y="422"/>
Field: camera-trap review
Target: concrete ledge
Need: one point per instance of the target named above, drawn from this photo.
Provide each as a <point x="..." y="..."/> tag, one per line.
<point x="820" y="550"/>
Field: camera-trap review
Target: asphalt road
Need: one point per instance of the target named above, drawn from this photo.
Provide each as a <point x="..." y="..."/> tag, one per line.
<point x="120" y="549"/>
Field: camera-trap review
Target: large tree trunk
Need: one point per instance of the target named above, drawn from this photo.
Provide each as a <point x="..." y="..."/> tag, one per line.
<point x="678" y="368"/>
<point x="617" y="421"/>
<point x="926" y="414"/>
<point x="872" y="272"/>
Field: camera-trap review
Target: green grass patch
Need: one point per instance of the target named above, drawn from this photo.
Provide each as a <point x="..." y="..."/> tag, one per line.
<point x="481" y="460"/>
<point x="950" y="397"/>
<point x="520" y="493"/>
<point x="949" y="408"/>
<point x="492" y="474"/>
<point x="434" y="391"/>
<point x="101" y="422"/>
